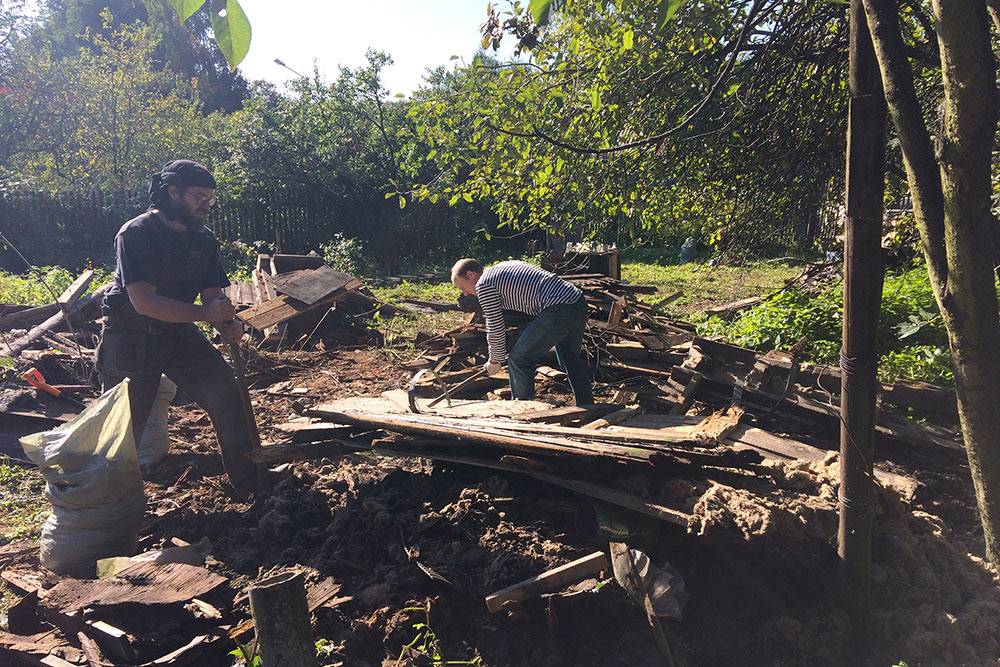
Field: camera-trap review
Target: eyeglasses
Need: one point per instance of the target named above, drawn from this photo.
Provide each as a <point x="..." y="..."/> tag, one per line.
<point x="201" y="199"/>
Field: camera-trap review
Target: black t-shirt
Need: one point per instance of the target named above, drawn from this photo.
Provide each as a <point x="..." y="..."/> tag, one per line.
<point x="179" y="264"/>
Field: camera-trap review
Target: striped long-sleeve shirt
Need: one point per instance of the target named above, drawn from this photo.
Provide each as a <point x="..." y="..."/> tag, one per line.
<point x="520" y="287"/>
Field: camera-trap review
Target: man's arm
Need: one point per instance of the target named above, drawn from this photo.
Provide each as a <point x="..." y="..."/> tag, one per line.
<point x="147" y="302"/>
<point x="496" y="327"/>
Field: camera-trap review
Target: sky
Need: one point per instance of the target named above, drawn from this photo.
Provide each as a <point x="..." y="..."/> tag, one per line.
<point x="417" y="34"/>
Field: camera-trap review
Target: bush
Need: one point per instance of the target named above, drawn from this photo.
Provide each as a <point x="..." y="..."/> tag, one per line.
<point x="28" y="290"/>
<point x="911" y="337"/>
<point x="345" y="254"/>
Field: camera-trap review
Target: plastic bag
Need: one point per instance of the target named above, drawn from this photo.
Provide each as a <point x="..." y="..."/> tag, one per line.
<point x="93" y="481"/>
<point x="155" y="440"/>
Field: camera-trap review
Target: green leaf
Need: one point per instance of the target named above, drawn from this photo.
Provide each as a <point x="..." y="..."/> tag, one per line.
<point x="232" y="32"/>
<point x="595" y="98"/>
<point x="402" y="202"/>
<point x="390" y="195"/>
<point x="628" y="39"/>
<point x="467" y="197"/>
<point x="666" y="10"/>
<point x="185" y="8"/>
<point x="540" y="11"/>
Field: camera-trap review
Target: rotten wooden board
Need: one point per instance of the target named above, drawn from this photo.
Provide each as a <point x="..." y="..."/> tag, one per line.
<point x="143" y="583"/>
<point x="312" y="286"/>
<point x="283" y="308"/>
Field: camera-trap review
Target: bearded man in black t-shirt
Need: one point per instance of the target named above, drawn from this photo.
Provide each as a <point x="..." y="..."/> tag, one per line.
<point x="165" y="260"/>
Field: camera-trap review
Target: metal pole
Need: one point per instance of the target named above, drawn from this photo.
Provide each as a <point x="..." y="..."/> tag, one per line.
<point x="863" y="273"/>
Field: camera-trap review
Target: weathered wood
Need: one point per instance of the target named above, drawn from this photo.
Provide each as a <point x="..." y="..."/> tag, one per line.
<point x="19" y="345"/>
<point x="570" y="413"/>
<point x="75" y="289"/>
<point x="142" y="583"/>
<point x="611" y="419"/>
<point x="281" y="619"/>
<point x="312" y="286"/>
<point x="549" y="581"/>
<point x="283" y="308"/>
<point x="28" y="317"/>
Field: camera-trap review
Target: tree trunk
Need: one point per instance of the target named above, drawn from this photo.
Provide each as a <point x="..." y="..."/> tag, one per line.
<point x="952" y="210"/>
<point x="969" y="300"/>
<point x="281" y="619"/>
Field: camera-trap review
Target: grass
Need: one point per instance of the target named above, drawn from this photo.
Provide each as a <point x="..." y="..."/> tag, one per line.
<point x="401" y="330"/>
<point x="702" y="286"/>
<point x="23" y="507"/>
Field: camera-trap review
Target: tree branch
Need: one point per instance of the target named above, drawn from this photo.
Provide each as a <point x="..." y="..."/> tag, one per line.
<point x="922" y="171"/>
<point x="656" y="138"/>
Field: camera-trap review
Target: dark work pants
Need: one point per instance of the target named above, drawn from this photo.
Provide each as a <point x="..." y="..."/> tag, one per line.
<point x="184" y="354"/>
<point x="561" y="326"/>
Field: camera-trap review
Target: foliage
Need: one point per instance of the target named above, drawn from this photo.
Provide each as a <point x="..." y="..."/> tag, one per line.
<point x="230" y="26"/>
<point x="622" y="128"/>
<point x="22" y="506"/>
<point x="186" y="50"/>
<point x="102" y="118"/>
<point x="28" y="290"/>
<point x="344" y="254"/>
<point x="428" y="644"/>
<point x="911" y="338"/>
<point x="246" y="655"/>
<point x="239" y="260"/>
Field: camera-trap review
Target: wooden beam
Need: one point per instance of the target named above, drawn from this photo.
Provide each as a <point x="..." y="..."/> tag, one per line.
<point x="549" y="581"/>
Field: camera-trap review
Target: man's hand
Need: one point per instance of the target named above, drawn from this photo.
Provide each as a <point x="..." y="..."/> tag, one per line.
<point x="491" y="368"/>
<point x="219" y="311"/>
<point x="231" y="331"/>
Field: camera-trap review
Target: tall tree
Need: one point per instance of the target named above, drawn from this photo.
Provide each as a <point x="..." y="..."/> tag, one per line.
<point x="948" y="170"/>
<point x="186" y="49"/>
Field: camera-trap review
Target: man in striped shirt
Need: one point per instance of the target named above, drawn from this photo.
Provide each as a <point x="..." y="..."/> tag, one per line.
<point x="560" y="316"/>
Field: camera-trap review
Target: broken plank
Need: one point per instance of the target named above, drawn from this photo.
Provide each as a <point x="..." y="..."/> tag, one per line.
<point x="75" y="289"/>
<point x="549" y="581"/>
<point x="143" y="583"/>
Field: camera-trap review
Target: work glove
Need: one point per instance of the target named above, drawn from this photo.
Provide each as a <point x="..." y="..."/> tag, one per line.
<point x="491" y="368"/>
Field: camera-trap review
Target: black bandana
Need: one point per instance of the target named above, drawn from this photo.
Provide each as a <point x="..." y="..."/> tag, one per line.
<point x="181" y="173"/>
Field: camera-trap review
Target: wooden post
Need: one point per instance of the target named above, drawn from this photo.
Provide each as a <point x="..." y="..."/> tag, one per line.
<point x="281" y="619"/>
<point x="863" y="275"/>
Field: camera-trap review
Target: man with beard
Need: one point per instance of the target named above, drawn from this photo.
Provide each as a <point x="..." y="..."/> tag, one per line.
<point x="165" y="259"/>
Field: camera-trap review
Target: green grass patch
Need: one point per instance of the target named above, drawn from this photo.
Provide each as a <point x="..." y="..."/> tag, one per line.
<point x="23" y="506"/>
<point x="28" y="290"/>
<point x="703" y="286"/>
<point x="444" y="292"/>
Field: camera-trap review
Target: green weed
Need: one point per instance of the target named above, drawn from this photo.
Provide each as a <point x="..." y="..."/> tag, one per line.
<point x="426" y="641"/>
<point x="28" y="290"/>
<point x="23" y="507"/>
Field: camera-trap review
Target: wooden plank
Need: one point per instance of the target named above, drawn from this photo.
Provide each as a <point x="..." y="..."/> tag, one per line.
<point x="629" y="350"/>
<point x="142" y="583"/>
<point x="570" y="413"/>
<point x="28" y="317"/>
<point x="312" y="286"/>
<point x="75" y="289"/>
<point x="549" y="581"/>
<point x="19" y="345"/>
<point x="283" y="308"/>
<point x="611" y="419"/>
<point x="286" y="263"/>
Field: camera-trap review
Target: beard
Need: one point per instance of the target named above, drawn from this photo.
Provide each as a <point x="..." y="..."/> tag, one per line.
<point x="180" y="212"/>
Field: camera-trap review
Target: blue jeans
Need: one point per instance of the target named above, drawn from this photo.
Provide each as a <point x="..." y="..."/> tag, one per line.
<point x="561" y="325"/>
